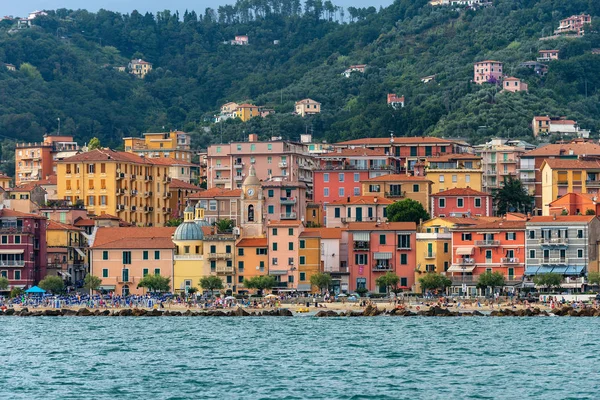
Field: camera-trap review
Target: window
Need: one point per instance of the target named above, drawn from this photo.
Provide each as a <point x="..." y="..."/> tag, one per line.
<point x="213" y="265"/>
<point x="291" y="246"/>
<point x="579" y="253"/>
<point x="302" y="276"/>
<point x="478" y="202"/>
<point x="302" y="244"/>
<point x="374" y="188"/>
<point x="290" y="260"/>
<point x="341" y="177"/>
<point x="467" y="237"/>
<point x="252" y="147"/>
<point x="404" y="241"/>
<point x="357" y="191"/>
<point x="157" y="254"/>
<point x="274" y="246"/>
<point x="270" y="193"/>
<point x="269" y="160"/>
<point x="240" y="279"/>
<point x="511" y="236"/>
<point x="531" y="253"/>
<point x="403" y="259"/>
<point x="240" y="251"/>
<point x="156" y="271"/>
<point x="212" y="205"/>
<point x="17" y="275"/>
<point x="441" y="178"/>
<point x="144" y="272"/>
<point x="240" y="266"/>
<point x="105" y="272"/>
<point x="127" y="257"/>
<point x="291" y="279"/>
<point x="416" y="188"/>
<point x="360" y="259"/>
<point x="381" y="239"/>
<point x="91" y="199"/>
<point x="341" y="192"/>
<point x="446" y="265"/>
<point x="271" y="209"/>
<point x="125" y="275"/>
<point x="326" y="192"/>
<point x="105" y="255"/>
<point x="460" y="202"/>
<point x="274" y="231"/>
<point x="579" y="233"/>
<point x="213" y="249"/>
<point x="361" y="283"/>
<point x="290" y="231"/>
<point x="229" y="279"/>
<point x="4" y="239"/>
<point x="325" y="177"/>
<point x="269" y="147"/>
<point x="357" y="177"/>
<point x="262" y="266"/>
<point x="446" y="246"/>
<point x="302" y="260"/>
<point x="531" y="234"/>
<point x="454" y="179"/>
<point x="336" y="212"/>
<point x="467" y="178"/>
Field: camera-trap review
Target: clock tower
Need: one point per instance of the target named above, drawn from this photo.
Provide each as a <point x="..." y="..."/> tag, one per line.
<point x="252" y="204"/>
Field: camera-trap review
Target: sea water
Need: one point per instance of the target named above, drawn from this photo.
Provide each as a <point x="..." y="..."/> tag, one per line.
<point x="299" y="358"/>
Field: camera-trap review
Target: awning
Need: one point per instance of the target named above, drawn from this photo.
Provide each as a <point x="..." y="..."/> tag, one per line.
<point x="465" y="251"/>
<point x="12" y="251"/>
<point x="538" y="270"/>
<point x="383" y="256"/>
<point x="461" y="268"/>
<point x="559" y="270"/>
<point x="278" y="272"/>
<point x="361" y="236"/>
<point x="81" y="253"/>
<point x="107" y="287"/>
<point x="574" y="270"/>
<point x="64" y="273"/>
<point x="304" y="287"/>
<point x="531" y="270"/>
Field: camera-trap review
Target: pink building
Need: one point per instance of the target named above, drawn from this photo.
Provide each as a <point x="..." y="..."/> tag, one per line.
<point x="487" y="71"/>
<point x="499" y="159"/>
<point x="573" y="25"/>
<point x="356" y="209"/>
<point x="23" y="259"/>
<point x="284" y="200"/>
<point x="512" y="84"/>
<point x="459" y="202"/>
<point x="548" y="55"/>
<point x="240" y="40"/>
<point x="395" y="101"/>
<point x="282" y="237"/>
<point x="377" y="248"/>
<point x="228" y="164"/>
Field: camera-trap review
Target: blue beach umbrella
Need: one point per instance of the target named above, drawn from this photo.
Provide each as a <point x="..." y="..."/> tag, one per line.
<point x="35" y="290"/>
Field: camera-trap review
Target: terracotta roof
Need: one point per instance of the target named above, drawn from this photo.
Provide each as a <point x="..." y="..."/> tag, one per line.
<point x="563" y="122"/>
<point x="361" y="200"/>
<point x="179" y="184"/>
<point x="511" y="78"/>
<point x="397" y="140"/>
<point x="489" y="61"/>
<point x="578" y="148"/>
<point x="7" y="212"/>
<point x="383" y="226"/>
<point x="555" y="163"/>
<point x="246" y="105"/>
<point x="216" y="192"/>
<point x="591" y="197"/>
<point x="451" y="157"/>
<point x="545" y="51"/>
<point x="107" y="216"/>
<point x="84" y="222"/>
<point x="307" y="101"/>
<point x="106" y="155"/>
<point x="469" y="220"/>
<point x="50" y="180"/>
<point x="563" y="218"/>
<point x="208" y="230"/>
<point x="357" y="152"/>
<point x="285" y="223"/>
<point x="27" y="187"/>
<point x="496" y="225"/>
<point x="323" y="233"/>
<point x="134" y="238"/>
<point x="253" y="242"/>
<point x="168" y="161"/>
<point x="58" y="226"/>
<point x="541" y="118"/>
<point x="398" y="178"/>
<point x="461" y="192"/>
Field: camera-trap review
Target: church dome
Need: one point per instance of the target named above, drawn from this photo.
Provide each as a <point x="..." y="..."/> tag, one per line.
<point x="189" y="209"/>
<point x="252" y="179"/>
<point x="202" y="222"/>
<point x="188" y="230"/>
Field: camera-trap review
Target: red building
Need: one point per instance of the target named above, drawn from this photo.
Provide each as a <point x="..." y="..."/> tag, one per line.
<point x="488" y="246"/>
<point x="377" y="248"/>
<point x="23" y="258"/>
<point x="460" y="202"/>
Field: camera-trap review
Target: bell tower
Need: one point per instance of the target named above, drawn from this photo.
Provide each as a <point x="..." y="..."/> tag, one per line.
<point x="252" y="204"/>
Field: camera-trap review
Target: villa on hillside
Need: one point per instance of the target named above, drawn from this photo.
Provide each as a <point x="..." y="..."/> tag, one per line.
<point x="573" y="25"/>
<point x="395" y="101"/>
<point x="354" y="68"/>
<point x="488" y="71"/>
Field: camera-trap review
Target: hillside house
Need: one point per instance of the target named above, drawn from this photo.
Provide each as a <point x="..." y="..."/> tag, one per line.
<point x="512" y="84"/>
<point x="487" y="71"/>
<point x="307" y="107"/>
<point x="240" y="40"/>
<point x="548" y="55"/>
<point x="354" y="68"/>
<point x="573" y="25"/>
<point x="395" y="101"/>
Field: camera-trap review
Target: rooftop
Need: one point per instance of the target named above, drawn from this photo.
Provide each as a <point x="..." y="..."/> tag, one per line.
<point x="562" y="218"/>
<point x="323" y="233"/>
<point x="398" y="178"/>
<point x="382" y="226"/>
<point x="555" y="163"/>
<point x="353" y="200"/>
<point x="134" y="238"/>
<point x="179" y="184"/>
<point x="253" y="242"/>
<point x="58" y="226"/>
<point x="106" y="155"/>
<point x="452" y="157"/>
<point x="216" y="192"/>
<point x="285" y="223"/>
<point x="565" y="149"/>
<point x="397" y="141"/>
<point x="461" y="192"/>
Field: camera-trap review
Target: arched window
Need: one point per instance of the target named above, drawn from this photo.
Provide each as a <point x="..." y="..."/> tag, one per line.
<point x="250" y="213"/>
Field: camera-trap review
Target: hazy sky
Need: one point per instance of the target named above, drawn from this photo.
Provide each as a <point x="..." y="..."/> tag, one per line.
<point x="22" y="7"/>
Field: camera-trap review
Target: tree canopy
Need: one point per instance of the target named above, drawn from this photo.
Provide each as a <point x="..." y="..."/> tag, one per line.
<point x="91" y="282"/>
<point x="211" y="283"/>
<point x="548" y="281"/>
<point x="491" y="280"/>
<point x="53" y="284"/>
<point x="155" y="283"/>
<point x="260" y="283"/>
<point x="3" y="283"/>
<point x="407" y="210"/>
<point x="512" y="197"/>
<point x="433" y="281"/>
<point x="320" y="280"/>
<point x="390" y="281"/>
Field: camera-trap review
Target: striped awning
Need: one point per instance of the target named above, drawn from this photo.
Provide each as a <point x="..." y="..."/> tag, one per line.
<point x="361" y="236"/>
<point x="464" y="251"/>
<point x="383" y="256"/>
<point x="461" y="268"/>
<point x="574" y="270"/>
<point x="278" y="272"/>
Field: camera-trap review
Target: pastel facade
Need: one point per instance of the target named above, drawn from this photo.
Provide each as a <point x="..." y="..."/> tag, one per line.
<point x="240" y="40"/>
<point x="246" y="111"/>
<point x="284" y="200"/>
<point x="189" y="265"/>
<point x="174" y="144"/>
<point x="309" y="259"/>
<point x="283" y="253"/>
<point x="139" y="68"/>
<point x="575" y="204"/>
<point x="575" y="24"/>
<point x="397" y="187"/>
<point x="546" y="125"/>
<point x="307" y="107"/>
<point x="454" y="171"/>
<point x="488" y="71"/>
<point x="377" y="248"/>
<point x="548" y="55"/>
<point x="35" y="161"/>
<point x="433" y="248"/>
<point x="66" y="251"/>
<point x="356" y="209"/>
<point x="395" y="101"/>
<point x="359" y="68"/>
<point x="499" y="160"/>
<point x="219" y="256"/>
<point x="252" y="259"/>
<point x="461" y="202"/>
<point x="512" y="84"/>
<point x="218" y="204"/>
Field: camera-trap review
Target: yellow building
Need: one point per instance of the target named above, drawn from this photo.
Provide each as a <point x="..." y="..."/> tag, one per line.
<point x="307" y="107"/>
<point x="117" y="183"/>
<point x="252" y="260"/>
<point x="66" y="251"/>
<point x="309" y="258"/>
<point x="189" y="254"/>
<point x="454" y="171"/>
<point x="4" y="181"/>
<point x="173" y="144"/>
<point x="562" y="176"/>
<point x="140" y="68"/>
<point x="220" y="258"/>
<point x="434" y="248"/>
<point x="246" y="111"/>
<point x="397" y="187"/>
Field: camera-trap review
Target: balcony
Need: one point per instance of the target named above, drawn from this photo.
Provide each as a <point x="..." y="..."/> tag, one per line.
<point x="12" y="263"/>
<point x="554" y="241"/>
<point x="166" y="195"/>
<point x="291" y="215"/>
<point x="219" y="256"/>
<point x="508" y="161"/>
<point x="120" y="207"/>
<point x="224" y="270"/>
<point x="465" y="261"/>
<point x="148" y="178"/>
<point x="147" y="194"/>
<point x="490" y="173"/>
<point x="120" y="192"/>
<point x="287" y="200"/>
<point x="238" y="164"/>
<point x="220" y="179"/>
<point x="134" y="192"/>
<point x="361" y="246"/>
<point x="509" y="260"/>
<point x="239" y="178"/>
<point x="395" y="194"/>
<point x="382" y="268"/>
<point x="133" y="177"/>
<point x="562" y="182"/>
<point x="126" y="280"/>
<point x="280" y="285"/>
<point x="527" y="180"/>
<point x="304" y="178"/>
<point x="430" y="255"/>
<point x="283" y="164"/>
<point x="555" y="261"/>
<point x="592" y="183"/>
<point x="189" y="257"/>
<point x="220" y="167"/>
<point x="487" y="243"/>
<point x="120" y="175"/>
<point x="167" y="179"/>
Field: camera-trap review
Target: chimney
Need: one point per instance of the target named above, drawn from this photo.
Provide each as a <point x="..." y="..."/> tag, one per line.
<point x="253" y="137"/>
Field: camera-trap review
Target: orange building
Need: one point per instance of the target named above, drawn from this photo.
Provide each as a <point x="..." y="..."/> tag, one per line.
<point x="575" y="204"/>
<point x="252" y="260"/>
<point x="35" y="161"/>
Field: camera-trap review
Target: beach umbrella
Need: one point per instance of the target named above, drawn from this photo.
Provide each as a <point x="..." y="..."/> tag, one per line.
<point x="35" y="290"/>
<point x="229" y="298"/>
<point x="270" y="296"/>
<point x="342" y="295"/>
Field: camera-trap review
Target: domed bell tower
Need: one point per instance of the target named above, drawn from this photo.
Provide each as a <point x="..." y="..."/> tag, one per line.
<point x="252" y="204"/>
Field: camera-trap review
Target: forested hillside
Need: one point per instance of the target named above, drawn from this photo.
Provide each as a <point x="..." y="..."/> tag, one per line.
<point x="66" y="70"/>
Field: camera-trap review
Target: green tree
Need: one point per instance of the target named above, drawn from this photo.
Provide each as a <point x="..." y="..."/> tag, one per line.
<point x="192" y="290"/>
<point x="3" y="284"/>
<point x="548" y="281"/>
<point x="16" y="292"/>
<point x="512" y="197"/>
<point x="594" y="278"/>
<point x="211" y="283"/>
<point x="53" y="284"/>
<point x="589" y="211"/>
<point x="94" y="144"/>
<point x="174" y="222"/>
<point x="407" y="210"/>
<point x="224" y="225"/>
<point x="91" y="282"/>
<point x="390" y="280"/>
<point x="321" y="281"/>
<point x="433" y="281"/>
<point x="155" y="283"/>
<point x="490" y="280"/>
<point x="260" y="283"/>
<point x="30" y="71"/>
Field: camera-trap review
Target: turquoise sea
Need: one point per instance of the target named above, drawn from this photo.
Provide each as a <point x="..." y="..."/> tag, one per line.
<point x="299" y="358"/>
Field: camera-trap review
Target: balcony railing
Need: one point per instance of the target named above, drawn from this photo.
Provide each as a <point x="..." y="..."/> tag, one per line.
<point x="396" y="194"/>
<point x="382" y="268"/>
<point x="291" y="215"/>
<point x="221" y="179"/>
<point x="459" y="279"/>
<point x="555" y="261"/>
<point x="487" y="243"/>
<point x="465" y="261"/>
<point x="509" y="260"/>
<point x="561" y="182"/>
<point x="222" y="269"/>
<point x="238" y="164"/>
<point x="189" y="257"/>
<point x="12" y="263"/>
<point x="594" y="183"/>
<point x="220" y="167"/>
<point x="239" y="177"/>
<point x="554" y="241"/>
<point x="283" y="164"/>
<point x="287" y="200"/>
<point x="430" y="254"/>
<point x="361" y="246"/>
<point x="219" y="256"/>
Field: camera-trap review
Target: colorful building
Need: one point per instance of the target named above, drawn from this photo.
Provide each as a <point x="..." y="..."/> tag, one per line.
<point x="546" y="125"/>
<point x="356" y="209"/>
<point x="180" y="191"/>
<point x="397" y="187"/>
<point x="246" y="111"/>
<point x="121" y="257"/>
<point x="283" y="253"/>
<point x="454" y="171"/>
<point x="377" y="248"/>
<point x="35" y="161"/>
<point x="460" y="202"/>
<point x="512" y="84"/>
<point x="219" y="204"/>
<point x="175" y="145"/>
<point x="575" y="204"/>
<point x="548" y="55"/>
<point x="139" y="68"/>
<point x="575" y="24"/>
<point x="252" y="260"/>
<point x="500" y="159"/>
<point x="307" y="107"/>
<point x="189" y="266"/>
<point x="66" y="251"/>
<point x="395" y="101"/>
<point x="309" y="259"/>
<point x="488" y="71"/>
<point x="23" y="259"/>
<point x="434" y="247"/>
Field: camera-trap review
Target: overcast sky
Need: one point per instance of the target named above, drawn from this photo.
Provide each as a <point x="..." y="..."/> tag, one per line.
<point x="23" y="7"/>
